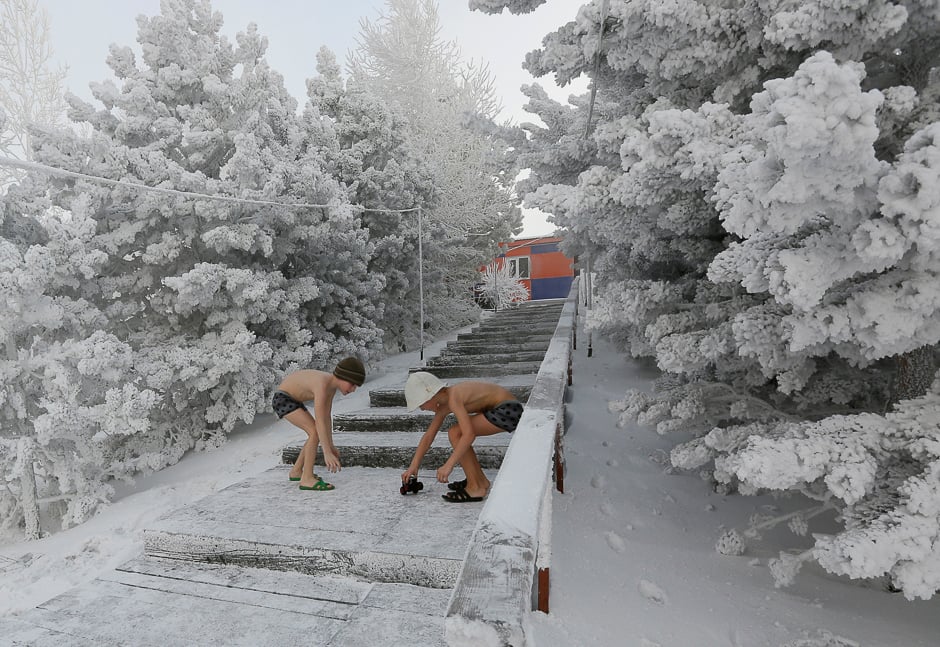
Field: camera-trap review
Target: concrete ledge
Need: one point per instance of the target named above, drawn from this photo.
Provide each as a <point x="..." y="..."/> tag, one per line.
<point x="497" y="583"/>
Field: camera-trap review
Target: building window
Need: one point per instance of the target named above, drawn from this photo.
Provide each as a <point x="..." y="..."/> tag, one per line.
<point x="519" y="267"/>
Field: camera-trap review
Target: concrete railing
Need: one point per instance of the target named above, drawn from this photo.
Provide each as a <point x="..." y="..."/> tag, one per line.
<point x="505" y="571"/>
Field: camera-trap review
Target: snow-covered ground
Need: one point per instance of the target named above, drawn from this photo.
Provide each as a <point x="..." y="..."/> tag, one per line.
<point x="633" y="565"/>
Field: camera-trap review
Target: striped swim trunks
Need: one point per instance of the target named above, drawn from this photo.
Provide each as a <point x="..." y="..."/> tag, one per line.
<point x="505" y="415"/>
<point x="283" y="403"/>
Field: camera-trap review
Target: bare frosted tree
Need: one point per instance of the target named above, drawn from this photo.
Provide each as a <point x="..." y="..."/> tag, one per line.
<point x="30" y="89"/>
<point x="403" y="59"/>
<point x="403" y="56"/>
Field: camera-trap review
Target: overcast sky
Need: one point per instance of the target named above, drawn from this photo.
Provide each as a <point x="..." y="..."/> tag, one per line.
<point x="296" y="29"/>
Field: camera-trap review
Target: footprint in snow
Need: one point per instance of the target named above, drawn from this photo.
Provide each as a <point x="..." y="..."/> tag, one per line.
<point x="652" y="592"/>
<point x="598" y="481"/>
<point x="606" y="509"/>
<point x="615" y="542"/>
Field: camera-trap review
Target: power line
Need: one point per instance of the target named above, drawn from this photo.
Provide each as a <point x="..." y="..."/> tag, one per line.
<point x="51" y="170"/>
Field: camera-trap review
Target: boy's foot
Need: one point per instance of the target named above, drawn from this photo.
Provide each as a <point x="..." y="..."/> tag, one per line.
<point x="458" y="485"/>
<point x="297" y="478"/>
<point x="319" y="486"/>
<point x="460" y="496"/>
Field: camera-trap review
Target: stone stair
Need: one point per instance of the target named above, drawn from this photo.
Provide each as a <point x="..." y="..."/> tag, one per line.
<point x="386" y="434"/>
<point x="260" y="563"/>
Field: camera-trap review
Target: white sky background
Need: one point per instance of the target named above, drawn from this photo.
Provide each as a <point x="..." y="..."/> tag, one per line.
<point x="296" y="29"/>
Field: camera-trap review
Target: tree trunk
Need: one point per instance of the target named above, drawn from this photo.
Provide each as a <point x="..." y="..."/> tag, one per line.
<point x="916" y="371"/>
<point x="28" y="498"/>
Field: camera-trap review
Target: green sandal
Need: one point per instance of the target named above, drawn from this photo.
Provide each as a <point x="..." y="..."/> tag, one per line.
<point x="297" y="478"/>
<point x="321" y="486"/>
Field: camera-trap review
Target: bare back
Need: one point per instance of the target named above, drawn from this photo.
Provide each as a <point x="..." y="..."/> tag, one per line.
<point x="308" y="385"/>
<point x="479" y="396"/>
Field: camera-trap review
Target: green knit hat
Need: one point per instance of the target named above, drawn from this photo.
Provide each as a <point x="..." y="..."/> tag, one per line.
<point x="351" y="370"/>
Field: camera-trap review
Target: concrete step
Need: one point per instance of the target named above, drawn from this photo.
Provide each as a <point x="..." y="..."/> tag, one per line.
<point x="479" y="370"/>
<point x="396" y="397"/>
<point x="509" y="326"/>
<point x="497" y="325"/>
<point x="364" y="529"/>
<point x="515" y="337"/>
<point x="489" y="359"/>
<point x="393" y="419"/>
<point x="546" y="311"/>
<point x="152" y="602"/>
<point x="396" y="449"/>
<point x="483" y="347"/>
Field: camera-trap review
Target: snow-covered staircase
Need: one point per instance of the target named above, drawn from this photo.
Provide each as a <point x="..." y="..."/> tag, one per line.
<point x="260" y="563"/>
<point x="386" y="434"/>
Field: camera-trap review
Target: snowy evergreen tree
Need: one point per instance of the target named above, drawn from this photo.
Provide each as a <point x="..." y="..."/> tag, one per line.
<point x="402" y="60"/>
<point x="370" y="154"/>
<point x="756" y="193"/>
<point x="204" y="303"/>
<point x="69" y="394"/>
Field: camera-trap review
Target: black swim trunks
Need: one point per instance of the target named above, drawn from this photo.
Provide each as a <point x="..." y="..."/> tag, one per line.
<point x="505" y="415"/>
<point x="284" y="403"/>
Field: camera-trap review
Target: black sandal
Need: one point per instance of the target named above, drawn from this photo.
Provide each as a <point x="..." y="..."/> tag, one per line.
<point x="460" y="496"/>
<point x="457" y="485"/>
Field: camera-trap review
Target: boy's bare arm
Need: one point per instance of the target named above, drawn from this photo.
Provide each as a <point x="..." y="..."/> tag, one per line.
<point x="323" y="412"/>
<point x="425" y="443"/>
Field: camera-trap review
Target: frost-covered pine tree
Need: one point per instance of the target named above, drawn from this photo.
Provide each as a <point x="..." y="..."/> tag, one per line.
<point x="370" y="154"/>
<point x="834" y="223"/>
<point x="213" y="299"/>
<point x="69" y="390"/>
<point x="773" y="167"/>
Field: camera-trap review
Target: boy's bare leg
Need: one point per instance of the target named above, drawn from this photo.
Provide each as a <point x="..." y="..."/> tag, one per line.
<point x="477" y="483"/>
<point x="303" y="466"/>
<point x="298" y="469"/>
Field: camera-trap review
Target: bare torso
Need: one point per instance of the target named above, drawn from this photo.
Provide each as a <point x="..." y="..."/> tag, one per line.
<point x="479" y="396"/>
<point x="307" y="385"/>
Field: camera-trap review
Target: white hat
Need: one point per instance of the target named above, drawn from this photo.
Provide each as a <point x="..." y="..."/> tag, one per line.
<point x="420" y="388"/>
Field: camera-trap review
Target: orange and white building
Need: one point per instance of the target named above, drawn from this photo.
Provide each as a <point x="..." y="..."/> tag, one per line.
<point x="540" y="265"/>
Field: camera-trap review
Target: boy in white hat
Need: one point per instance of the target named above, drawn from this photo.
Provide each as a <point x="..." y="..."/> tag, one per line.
<point x="481" y="409"/>
<point x="321" y="387"/>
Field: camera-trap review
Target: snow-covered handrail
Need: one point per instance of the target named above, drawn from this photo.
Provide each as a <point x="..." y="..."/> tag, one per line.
<point x="497" y="583"/>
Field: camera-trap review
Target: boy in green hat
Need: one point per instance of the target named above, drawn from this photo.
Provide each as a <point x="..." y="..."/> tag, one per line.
<point x="321" y="387"/>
